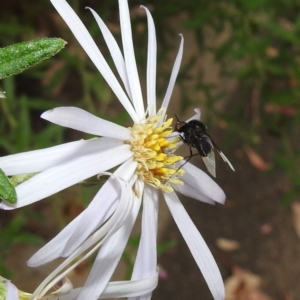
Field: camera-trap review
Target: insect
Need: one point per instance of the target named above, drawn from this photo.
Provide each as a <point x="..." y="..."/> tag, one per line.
<point x="193" y="133"/>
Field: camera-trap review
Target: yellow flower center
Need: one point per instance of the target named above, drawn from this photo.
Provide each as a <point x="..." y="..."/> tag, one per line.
<point x="153" y="151"/>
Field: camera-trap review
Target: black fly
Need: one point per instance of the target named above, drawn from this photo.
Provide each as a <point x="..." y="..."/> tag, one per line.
<point x="195" y="136"/>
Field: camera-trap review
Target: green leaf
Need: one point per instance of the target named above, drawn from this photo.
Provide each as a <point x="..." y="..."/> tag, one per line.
<point x="16" y="58"/>
<point x="7" y="190"/>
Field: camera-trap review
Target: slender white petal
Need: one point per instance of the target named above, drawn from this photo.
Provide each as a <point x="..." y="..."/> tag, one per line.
<point x="66" y="174"/>
<point x="151" y="65"/>
<point x="108" y="258"/>
<point x="196" y="116"/>
<point x="197" y="246"/>
<point x="79" y="119"/>
<point x="200" y="186"/>
<point x="123" y="210"/>
<point x="192" y="192"/>
<point x="132" y="73"/>
<point x="89" y="46"/>
<point x="146" y="260"/>
<point x="131" y="288"/>
<point x="174" y="74"/>
<point x="114" y="50"/>
<point x="119" y="289"/>
<point x="91" y="219"/>
<point x="40" y="160"/>
<point x="65" y="287"/>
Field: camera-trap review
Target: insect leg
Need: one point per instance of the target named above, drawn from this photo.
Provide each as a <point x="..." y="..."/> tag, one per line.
<point x="187" y="160"/>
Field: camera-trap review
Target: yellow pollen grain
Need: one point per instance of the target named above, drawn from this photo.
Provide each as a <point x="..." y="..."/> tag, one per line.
<point x="167" y="123"/>
<point x="173" y="159"/>
<point x="163" y="143"/>
<point x="155" y="165"/>
<point x="154" y="136"/>
<point x="166" y="133"/>
<point x="150" y="144"/>
<point x="157" y="148"/>
<point x="160" y="157"/>
<point x="176" y="181"/>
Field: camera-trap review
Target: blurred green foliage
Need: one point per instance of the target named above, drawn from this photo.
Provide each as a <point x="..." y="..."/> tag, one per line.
<point x="259" y="50"/>
<point x="13" y="233"/>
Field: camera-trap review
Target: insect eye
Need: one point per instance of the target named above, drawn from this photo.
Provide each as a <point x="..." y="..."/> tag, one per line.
<point x="179" y="125"/>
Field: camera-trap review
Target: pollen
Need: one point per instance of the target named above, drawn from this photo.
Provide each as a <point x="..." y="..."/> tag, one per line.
<point x="153" y="151"/>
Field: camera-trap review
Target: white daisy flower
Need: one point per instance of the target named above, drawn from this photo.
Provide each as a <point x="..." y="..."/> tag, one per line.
<point x="147" y="167"/>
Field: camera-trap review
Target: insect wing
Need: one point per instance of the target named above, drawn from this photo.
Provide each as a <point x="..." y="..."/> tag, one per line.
<point x="226" y="160"/>
<point x="210" y="162"/>
<point x="205" y="148"/>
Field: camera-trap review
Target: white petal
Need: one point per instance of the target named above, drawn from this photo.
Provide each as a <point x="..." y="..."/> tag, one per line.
<point x="108" y="258"/>
<point x="197" y="246"/>
<point x="189" y="191"/>
<point x="131" y="288"/>
<point x="65" y="287"/>
<point x="120" y="289"/>
<point x="196" y="116"/>
<point x="146" y="260"/>
<point x="39" y="160"/>
<point x="62" y="176"/>
<point x="200" y="186"/>
<point x="88" y="44"/>
<point x="114" y="50"/>
<point x="91" y="219"/>
<point x="174" y="74"/>
<point x="117" y="220"/>
<point x="151" y="65"/>
<point x="132" y="73"/>
<point x="79" y="119"/>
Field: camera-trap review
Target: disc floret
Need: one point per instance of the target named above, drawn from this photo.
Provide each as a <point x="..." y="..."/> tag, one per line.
<point x="153" y="151"/>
